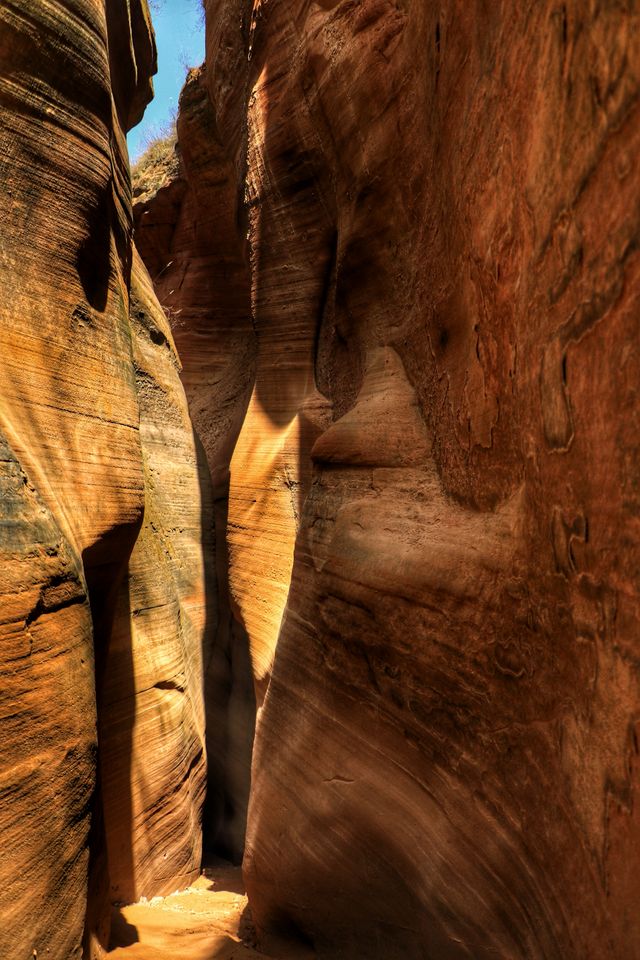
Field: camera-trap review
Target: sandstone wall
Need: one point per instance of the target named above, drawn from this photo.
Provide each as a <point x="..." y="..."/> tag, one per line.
<point x="94" y="436"/>
<point x="187" y="209"/>
<point x="151" y="721"/>
<point x="441" y="218"/>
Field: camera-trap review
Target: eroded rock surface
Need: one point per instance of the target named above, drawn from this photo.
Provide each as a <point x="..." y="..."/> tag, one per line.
<point x="152" y="723"/>
<point x="187" y="207"/>
<point x="398" y="246"/>
<point x="441" y="222"/>
<point x="47" y="716"/>
<point x="98" y="724"/>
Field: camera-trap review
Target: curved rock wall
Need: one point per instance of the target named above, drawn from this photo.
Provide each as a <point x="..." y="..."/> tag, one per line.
<point x="447" y="755"/>
<point x="441" y="218"/>
<point x="151" y="723"/>
<point x="400" y="259"/>
<point x="47" y="717"/>
<point x="187" y="210"/>
<point x="94" y="435"/>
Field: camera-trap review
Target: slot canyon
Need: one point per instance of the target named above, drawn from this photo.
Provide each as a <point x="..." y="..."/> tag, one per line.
<point x="320" y="484"/>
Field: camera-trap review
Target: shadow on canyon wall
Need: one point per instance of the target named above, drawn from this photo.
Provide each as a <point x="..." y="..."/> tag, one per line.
<point x="229" y="699"/>
<point x="189" y="237"/>
<point x="229" y="710"/>
<point x="109" y="589"/>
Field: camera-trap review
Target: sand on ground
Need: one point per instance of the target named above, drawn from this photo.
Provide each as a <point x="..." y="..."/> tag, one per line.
<point x="209" y="921"/>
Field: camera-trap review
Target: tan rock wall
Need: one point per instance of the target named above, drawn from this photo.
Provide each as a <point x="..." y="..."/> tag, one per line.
<point x="95" y="435"/>
<point x="187" y="212"/>
<point x="152" y="723"/>
<point x="48" y="725"/>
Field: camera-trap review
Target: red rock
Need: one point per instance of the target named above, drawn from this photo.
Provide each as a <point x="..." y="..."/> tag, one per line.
<point x="441" y="226"/>
<point x="186" y="212"/>
<point x="398" y="245"/>
<point x="47" y="718"/>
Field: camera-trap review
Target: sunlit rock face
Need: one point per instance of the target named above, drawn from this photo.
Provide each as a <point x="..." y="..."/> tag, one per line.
<point x="187" y="208"/>
<point x="441" y="218"/>
<point x="94" y="435"/>
<point x="47" y="751"/>
<point x="249" y="379"/>
<point x="151" y="720"/>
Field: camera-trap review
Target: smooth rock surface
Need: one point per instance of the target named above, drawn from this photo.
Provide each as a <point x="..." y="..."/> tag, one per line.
<point x="441" y="223"/>
<point x="69" y="414"/>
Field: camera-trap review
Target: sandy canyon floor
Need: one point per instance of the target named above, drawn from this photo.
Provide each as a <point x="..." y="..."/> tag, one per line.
<point x="210" y="920"/>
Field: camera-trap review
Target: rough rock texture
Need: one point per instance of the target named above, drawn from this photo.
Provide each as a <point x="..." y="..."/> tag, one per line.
<point x="93" y="427"/>
<point x="186" y="209"/>
<point x="152" y="710"/>
<point x="442" y="220"/>
<point x="47" y="719"/>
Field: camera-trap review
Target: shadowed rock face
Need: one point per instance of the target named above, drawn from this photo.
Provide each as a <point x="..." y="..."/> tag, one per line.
<point x="435" y="480"/>
<point x="98" y="722"/>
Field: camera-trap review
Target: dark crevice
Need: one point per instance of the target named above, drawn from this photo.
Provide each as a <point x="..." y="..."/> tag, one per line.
<point x="93" y="258"/>
<point x="168" y="685"/>
<point x="46" y="604"/>
<point x="104" y="578"/>
<point x="230" y="705"/>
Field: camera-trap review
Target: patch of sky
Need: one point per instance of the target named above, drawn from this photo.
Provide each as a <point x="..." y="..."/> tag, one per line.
<point x="179" y="28"/>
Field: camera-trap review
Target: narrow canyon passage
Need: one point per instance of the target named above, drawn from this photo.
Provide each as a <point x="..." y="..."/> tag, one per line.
<point x="319" y="496"/>
<point x="208" y="921"/>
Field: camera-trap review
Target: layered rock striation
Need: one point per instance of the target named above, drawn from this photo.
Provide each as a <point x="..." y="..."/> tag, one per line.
<point x="433" y="502"/>
<point x="105" y="615"/>
<point x="187" y="208"/>
<point x="152" y="723"/>
<point x="397" y="251"/>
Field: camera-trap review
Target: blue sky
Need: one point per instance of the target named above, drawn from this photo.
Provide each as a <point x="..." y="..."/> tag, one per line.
<point x="179" y="27"/>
